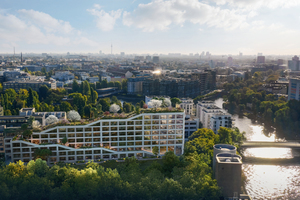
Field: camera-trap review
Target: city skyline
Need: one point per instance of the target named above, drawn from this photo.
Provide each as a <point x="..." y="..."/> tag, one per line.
<point x="148" y="27"/>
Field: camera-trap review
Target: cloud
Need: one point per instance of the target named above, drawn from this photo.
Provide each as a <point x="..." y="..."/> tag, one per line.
<point x="105" y="20"/>
<point x="33" y="27"/>
<point x="255" y="4"/>
<point x="45" y="21"/>
<point x="160" y="14"/>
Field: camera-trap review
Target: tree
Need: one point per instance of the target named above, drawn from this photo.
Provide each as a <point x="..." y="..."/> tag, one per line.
<point x="64" y="140"/>
<point x="118" y="85"/>
<point x="111" y="84"/>
<point x="11" y="94"/>
<point x="79" y="101"/>
<point x="105" y="104"/>
<point x="36" y="124"/>
<point x="38" y="167"/>
<point x="127" y="107"/>
<point x="87" y="110"/>
<point x="27" y="133"/>
<point x="44" y="71"/>
<point x="65" y="106"/>
<point x="86" y="89"/>
<point x="23" y="94"/>
<point x="155" y="103"/>
<point x="75" y="86"/>
<point x="155" y="150"/>
<point x="42" y="153"/>
<point x="43" y="91"/>
<point x="104" y="83"/>
<point x="114" y="108"/>
<point x="94" y="96"/>
<point x="124" y="84"/>
<point x="225" y="136"/>
<point x="73" y="115"/>
<point x="166" y="103"/>
<point x="30" y="99"/>
<point x="175" y="101"/>
<point x="51" y="119"/>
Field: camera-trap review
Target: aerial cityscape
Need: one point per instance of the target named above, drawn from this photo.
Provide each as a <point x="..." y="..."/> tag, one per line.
<point x="149" y="99"/>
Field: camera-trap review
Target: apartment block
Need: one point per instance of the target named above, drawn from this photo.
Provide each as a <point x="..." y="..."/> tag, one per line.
<point x="106" y="139"/>
<point x="26" y="84"/>
<point x="212" y="117"/>
<point x="188" y="105"/>
<point x="220" y="120"/>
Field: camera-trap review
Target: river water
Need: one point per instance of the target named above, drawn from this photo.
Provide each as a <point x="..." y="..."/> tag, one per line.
<point x="267" y="181"/>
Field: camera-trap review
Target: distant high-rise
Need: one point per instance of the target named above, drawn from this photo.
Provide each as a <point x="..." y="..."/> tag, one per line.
<point x="148" y="58"/>
<point x="294" y="64"/>
<point x="122" y="53"/>
<point x="241" y="54"/>
<point x="261" y="59"/>
<point x="211" y="64"/>
<point x="100" y="52"/>
<point x="21" y="58"/>
<point x="294" y="87"/>
<point x="191" y="54"/>
<point x="259" y="54"/>
<point x="230" y="61"/>
<point x="155" y="59"/>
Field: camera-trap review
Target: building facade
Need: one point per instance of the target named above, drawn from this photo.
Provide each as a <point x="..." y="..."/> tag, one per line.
<point x="35" y="85"/>
<point x="294" y="89"/>
<point x="106" y="139"/>
<point x="220" y="120"/>
<point x="187" y="105"/>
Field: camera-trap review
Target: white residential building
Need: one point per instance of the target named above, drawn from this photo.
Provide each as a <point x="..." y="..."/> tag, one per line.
<point x="187" y="105"/>
<point x="63" y="75"/>
<point x="106" y="139"/>
<point x="212" y="117"/>
<point x="220" y="120"/>
<point x="200" y="106"/>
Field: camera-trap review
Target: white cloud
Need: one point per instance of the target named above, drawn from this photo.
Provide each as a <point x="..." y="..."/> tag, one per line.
<point x="39" y="29"/>
<point x="105" y="20"/>
<point x="45" y="21"/>
<point x="160" y="14"/>
<point x="255" y="4"/>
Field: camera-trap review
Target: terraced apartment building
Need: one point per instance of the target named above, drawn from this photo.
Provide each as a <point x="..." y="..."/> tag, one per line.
<point x="106" y="139"/>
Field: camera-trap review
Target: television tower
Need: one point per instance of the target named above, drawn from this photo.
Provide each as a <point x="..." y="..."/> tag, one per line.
<point x="111" y="49"/>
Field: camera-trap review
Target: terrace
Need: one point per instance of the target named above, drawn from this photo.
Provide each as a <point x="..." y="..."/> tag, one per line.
<point x="109" y="116"/>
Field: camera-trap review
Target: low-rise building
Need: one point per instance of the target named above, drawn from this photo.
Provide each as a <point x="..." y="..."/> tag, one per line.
<point x="26" y="84"/>
<point x="188" y="105"/>
<point x="135" y="85"/>
<point x="63" y="75"/>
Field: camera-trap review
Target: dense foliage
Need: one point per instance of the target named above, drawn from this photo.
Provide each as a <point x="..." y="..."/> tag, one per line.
<point x="186" y="177"/>
<point x="246" y="96"/>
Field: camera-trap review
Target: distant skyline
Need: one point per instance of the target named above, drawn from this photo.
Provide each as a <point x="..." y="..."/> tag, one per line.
<point x="144" y="26"/>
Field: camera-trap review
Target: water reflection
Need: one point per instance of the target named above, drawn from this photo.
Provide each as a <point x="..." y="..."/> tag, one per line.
<point x="271" y="181"/>
<point x="267" y="181"/>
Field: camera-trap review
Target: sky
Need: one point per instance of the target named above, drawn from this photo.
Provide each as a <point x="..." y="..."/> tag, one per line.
<point x="147" y="27"/>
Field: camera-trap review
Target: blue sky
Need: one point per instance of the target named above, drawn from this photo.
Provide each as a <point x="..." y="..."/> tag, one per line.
<point x="145" y="26"/>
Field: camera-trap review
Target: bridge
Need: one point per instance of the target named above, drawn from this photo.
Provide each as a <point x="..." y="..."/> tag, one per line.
<point x="258" y="144"/>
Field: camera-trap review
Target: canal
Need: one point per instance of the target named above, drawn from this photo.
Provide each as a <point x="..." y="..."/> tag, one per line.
<point x="267" y="181"/>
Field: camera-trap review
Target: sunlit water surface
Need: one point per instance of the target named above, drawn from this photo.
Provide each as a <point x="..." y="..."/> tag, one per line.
<point x="267" y="181"/>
